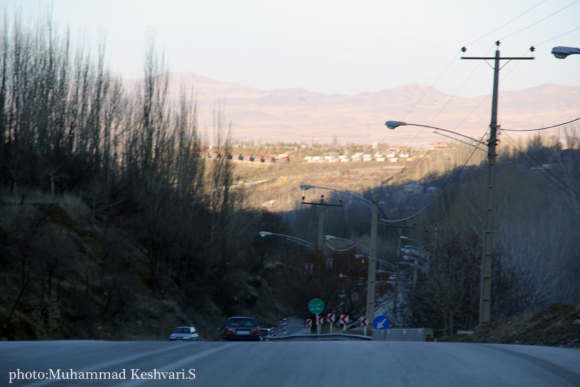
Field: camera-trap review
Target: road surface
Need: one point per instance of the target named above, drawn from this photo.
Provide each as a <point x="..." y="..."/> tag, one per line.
<point x="292" y="364"/>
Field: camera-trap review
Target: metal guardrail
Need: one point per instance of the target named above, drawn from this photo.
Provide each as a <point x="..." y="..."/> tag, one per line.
<point x="320" y="337"/>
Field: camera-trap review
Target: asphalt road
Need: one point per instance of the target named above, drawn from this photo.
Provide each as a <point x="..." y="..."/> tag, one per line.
<point x="304" y="363"/>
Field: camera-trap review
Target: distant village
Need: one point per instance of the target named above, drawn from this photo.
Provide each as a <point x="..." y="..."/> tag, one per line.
<point x="322" y="153"/>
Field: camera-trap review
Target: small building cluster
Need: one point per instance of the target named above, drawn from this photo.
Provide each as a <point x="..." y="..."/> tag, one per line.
<point x="246" y="158"/>
<point x="393" y="156"/>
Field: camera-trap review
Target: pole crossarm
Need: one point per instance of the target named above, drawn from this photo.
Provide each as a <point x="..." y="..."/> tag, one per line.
<point x="501" y="58"/>
<point x="322" y="204"/>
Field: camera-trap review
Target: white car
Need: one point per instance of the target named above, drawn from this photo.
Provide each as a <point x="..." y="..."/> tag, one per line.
<point x="184" y="334"/>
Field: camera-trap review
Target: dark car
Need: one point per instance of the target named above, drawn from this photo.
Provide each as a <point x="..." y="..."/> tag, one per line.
<point x="184" y="333"/>
<point x="240" y="329"/>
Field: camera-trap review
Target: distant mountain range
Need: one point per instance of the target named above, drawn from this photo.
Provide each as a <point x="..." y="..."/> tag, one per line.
<point x="300" y="115"/>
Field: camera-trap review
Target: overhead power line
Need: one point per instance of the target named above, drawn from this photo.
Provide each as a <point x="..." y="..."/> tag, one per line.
<point x="503" y="25"/>
<point x="539" y="21"/>
<point x="441" y="193"/>
<point x="537" y="129"/>
<point x="558" y="183"/>
<point x="556" y="37"/>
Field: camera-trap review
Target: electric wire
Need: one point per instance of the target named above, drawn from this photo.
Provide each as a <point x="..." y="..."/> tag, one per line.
<point x="539" y="21"/>
<point x="503" y="25"/>
<point x="549" y="40"/>
<point x="441" y="193"/>
<point x="339" y="250"/>
<point x="485" y="98"/>
<point x="538" y="129"/>
<point x="445" y="70"/>
<point x="430" y="87"/>
<point x="569" y="191"/>
<point x="355" y="244"/>
<point x="449" y="100"/>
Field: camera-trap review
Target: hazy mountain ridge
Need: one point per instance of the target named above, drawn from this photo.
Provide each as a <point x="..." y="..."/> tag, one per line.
<point x="299" y="115"/>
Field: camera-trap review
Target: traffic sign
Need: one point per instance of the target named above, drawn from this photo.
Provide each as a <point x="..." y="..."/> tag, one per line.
<point x="320" y="320"/>
<point x="331" y="318"/>
<point x="381" y="322"/>
<point x="309" y="323"/>
<point x="364" y="322"/>
<point x="316" y="306"/>
<point x="344" y="319"/>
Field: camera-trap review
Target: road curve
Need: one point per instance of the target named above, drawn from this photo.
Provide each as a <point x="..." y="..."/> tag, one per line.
<point x="307" y="363"/>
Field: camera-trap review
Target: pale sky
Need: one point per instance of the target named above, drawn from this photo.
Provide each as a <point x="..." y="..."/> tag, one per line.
<point x="337" y="46"/>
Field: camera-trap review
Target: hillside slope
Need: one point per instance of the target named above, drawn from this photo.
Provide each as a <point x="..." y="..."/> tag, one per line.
<point x="558" y="325"/>
<point x="67" y="274"/>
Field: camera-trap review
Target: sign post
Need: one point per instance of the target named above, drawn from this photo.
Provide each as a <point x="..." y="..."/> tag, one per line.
<point x="309" y="324"/>
<point x="331" y="320"/>
<point x="319" y="322"/>
<point x="316" y="306"/>
<point x="344" y="321"/>
<point x="364" y="323"/>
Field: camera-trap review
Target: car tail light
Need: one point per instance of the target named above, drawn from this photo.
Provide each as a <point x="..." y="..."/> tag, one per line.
<point x="229" y="332"/>
<point x="256" y="332"/>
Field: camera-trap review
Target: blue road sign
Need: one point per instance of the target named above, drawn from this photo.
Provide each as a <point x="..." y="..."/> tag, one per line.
<point x="381" y="322"/>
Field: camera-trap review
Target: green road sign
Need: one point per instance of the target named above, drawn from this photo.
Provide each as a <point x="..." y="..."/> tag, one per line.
<point x="316" y="306"/>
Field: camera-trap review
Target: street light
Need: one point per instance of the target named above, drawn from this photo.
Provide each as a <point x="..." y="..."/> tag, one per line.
<point x="396" y="124"/>
<point x="562" y="52"/>
<point x="290" y="238"/>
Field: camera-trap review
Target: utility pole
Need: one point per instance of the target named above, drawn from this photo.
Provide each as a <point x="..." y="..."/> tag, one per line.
<point x="372" y="265"/>
<point x="320" y="239"/>
<point x="396" y="302"/>
<point x="396" y="295"/>
<point x="321" y="207"/>
<point x="485" y="295"/>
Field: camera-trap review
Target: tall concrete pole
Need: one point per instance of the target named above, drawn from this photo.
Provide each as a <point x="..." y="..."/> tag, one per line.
<point x="372" y="265"/>
<point x="320" y="243"/>
<point x="485" y="298"/>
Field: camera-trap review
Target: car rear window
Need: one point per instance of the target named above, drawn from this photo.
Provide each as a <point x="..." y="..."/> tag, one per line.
<point x="242" y="322"/>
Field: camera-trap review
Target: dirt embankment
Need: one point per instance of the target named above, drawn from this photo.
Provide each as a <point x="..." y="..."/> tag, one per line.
<point x="558" y="325"/>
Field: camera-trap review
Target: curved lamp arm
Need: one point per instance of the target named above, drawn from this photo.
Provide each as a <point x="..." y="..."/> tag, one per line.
<point x="396" y="124"/>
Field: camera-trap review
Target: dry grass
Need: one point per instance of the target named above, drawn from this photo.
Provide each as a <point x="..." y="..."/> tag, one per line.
<point x="558" y="325"/>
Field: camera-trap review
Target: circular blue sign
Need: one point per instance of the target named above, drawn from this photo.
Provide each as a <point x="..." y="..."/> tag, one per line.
<point x="381" y="323"/>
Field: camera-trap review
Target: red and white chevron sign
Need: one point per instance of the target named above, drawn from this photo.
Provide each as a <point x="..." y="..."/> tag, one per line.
<point x="331" y="318"/>
<point x="344" y="319"/>
<point x="320" y="320"/>
<point x="309" y="323"/>
<point x="364" y="322"/>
